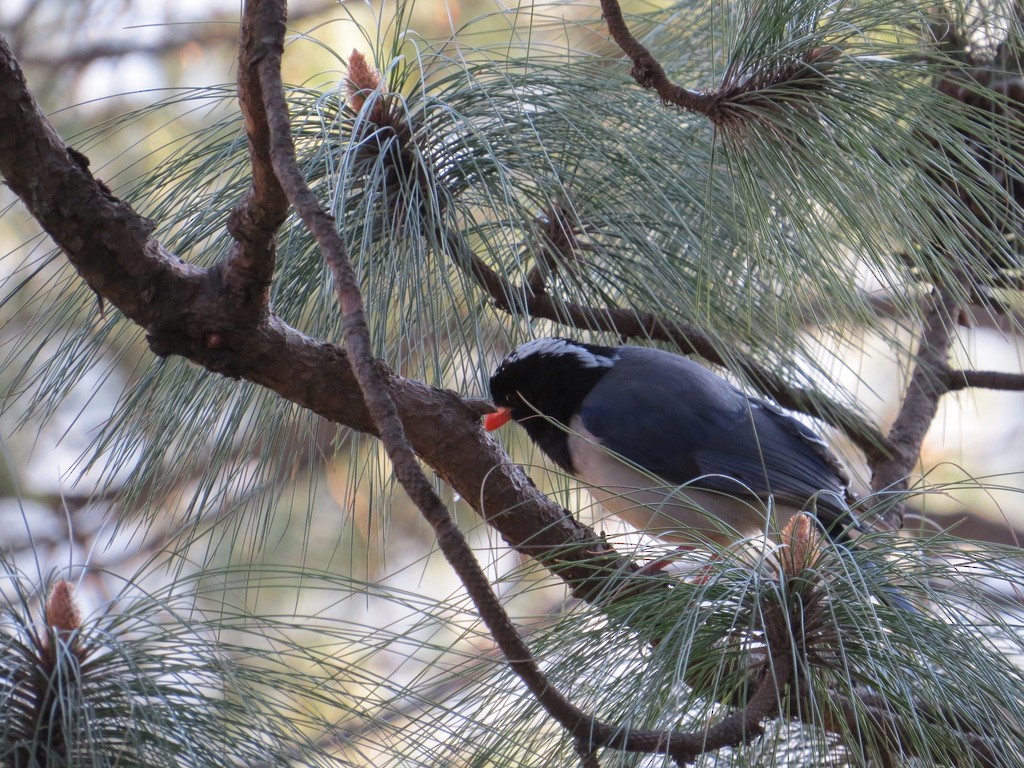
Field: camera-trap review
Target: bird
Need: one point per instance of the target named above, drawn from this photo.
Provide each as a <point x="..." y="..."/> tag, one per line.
<point x="668" y="445"/>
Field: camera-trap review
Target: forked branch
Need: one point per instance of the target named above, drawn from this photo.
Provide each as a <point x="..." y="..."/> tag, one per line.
<point x="928" y="383"/>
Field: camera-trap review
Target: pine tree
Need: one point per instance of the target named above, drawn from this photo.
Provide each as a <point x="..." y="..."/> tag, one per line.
<point x="332" y="271"/>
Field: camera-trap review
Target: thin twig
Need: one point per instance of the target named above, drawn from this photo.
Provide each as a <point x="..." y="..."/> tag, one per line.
<point x="742" y="96"/>
<point x="887" y="728"/>
<point x="957" y="380"/>
<point x="649" y="73"/>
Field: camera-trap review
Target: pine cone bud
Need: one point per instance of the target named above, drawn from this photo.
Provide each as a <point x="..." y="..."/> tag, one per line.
<point x="362" y="79"/>
<point x="62" y="612"/>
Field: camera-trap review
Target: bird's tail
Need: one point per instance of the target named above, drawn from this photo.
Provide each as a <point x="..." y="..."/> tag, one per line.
<point x="802" y="539"/>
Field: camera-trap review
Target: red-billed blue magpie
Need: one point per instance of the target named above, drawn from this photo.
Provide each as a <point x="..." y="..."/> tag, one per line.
<point x="668" y="445"/>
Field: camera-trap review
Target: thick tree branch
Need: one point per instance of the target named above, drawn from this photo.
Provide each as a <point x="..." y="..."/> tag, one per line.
<point x="186" y="312"/>
<point x="928" y="383"/>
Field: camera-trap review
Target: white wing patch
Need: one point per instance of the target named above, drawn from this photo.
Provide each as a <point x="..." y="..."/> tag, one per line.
<point x="555" y="347"/>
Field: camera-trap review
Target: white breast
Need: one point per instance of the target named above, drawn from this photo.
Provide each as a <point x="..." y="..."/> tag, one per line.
<point x="673" y="513"/>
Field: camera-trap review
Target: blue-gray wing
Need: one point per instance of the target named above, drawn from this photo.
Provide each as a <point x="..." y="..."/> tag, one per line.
<point x="681" y="422"/>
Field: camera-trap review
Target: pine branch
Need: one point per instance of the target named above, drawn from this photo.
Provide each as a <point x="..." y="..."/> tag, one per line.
<point x="187" y="311"/>
<point x="928" y="383"/>
<point x="958" y="380"/>
<point x="111" y="247"/>
<point x="741" y="95"/>
<point x="649" y="73"/>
